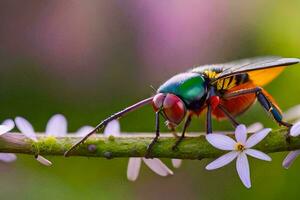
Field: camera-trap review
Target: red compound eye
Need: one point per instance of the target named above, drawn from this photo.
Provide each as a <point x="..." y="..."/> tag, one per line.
<point x="158" y="101"/>
<point x="174" y="108"/>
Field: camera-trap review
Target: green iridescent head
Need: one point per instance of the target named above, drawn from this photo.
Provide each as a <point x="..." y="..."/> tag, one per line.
<point x="190" y="87"/>
<point x="179" y="93"/>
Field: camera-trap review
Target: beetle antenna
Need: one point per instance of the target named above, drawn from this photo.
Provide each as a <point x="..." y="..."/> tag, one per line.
<point x="153" y="88"/>
<point x="109" y="119"/>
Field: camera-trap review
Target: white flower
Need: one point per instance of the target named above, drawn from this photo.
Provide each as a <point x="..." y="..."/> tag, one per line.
<point x="134" y="164"/>
<point x="295" y="130"/>
<point x="5" y="127"/>
<point x="176" y="163"/>
<point x="289" y="159"/>
<point x="84" y="130"/>
<point x="255" y="127"/>
<point x="239" y="149"/>
<point x="292" y="115"/>
<point x="56" y="126"/>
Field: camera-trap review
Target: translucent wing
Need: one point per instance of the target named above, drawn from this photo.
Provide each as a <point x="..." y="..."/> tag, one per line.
<point x="234" y="66"/>
<point x="261" y="69"/>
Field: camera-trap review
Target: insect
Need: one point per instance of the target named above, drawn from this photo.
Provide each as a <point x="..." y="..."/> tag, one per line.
<point x="223" y="91"/>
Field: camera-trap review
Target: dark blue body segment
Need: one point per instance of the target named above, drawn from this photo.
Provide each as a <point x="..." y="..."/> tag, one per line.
<point x="190" y="87"/>
<point x="269" y="107"/>
<point x="276" y="114"/>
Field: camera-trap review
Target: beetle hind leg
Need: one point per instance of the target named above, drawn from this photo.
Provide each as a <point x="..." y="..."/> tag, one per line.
<point x="271" y="108"/>
<point x="274" y="110"/>
<point x="265" y="100"/>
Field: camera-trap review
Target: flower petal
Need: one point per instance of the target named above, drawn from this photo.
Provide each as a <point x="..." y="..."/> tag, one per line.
<point x="241" y="133"/>
<point x="9" y="122"/>
<point x="157" y="166"/>
<point x="57" y="126"/>
<point x="257" y="137"/>
<point x="8" y="157"/>
<point x="83" y="131"/>
<point x="292" y="113"/>
<point x="255" y="127"/>
<point x="289" y="159"/>
<point x="258" y="154"/>
<point x="176" y="162"/>
<point x="222" y="161"/>
<point x="4" y="129"/>
<point x="43" y="160"/>
<point x="222" y="142"/>
<point x="295" y="130"/>
<point x="242" y="167"/>
<point x="26" y="128"/>
<point x="133" y="168"/>
<point x="112" y="128"/>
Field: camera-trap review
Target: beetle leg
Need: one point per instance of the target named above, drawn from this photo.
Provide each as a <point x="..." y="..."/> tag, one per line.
<point x="209" y="111"/>
<point x="186" y="125"/>
<point x="269" y="107"/>
<point x="241" y="92"/>
<point x="174" y="132"/>
<point x="264" y="101"/>
<point x="150" y="147"/>
<point x="208" y="120"/>
<point x="228" y="115"/>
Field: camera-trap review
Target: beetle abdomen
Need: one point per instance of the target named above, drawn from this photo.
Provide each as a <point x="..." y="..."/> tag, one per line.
<point x="238" y="105"/>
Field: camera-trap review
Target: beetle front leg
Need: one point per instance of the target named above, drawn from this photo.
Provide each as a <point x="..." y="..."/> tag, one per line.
<point x="150" y="147"/>
<point x="208" y="120"/>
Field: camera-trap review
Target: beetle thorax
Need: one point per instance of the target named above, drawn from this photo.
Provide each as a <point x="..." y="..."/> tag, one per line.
<point x="191" y="88"/>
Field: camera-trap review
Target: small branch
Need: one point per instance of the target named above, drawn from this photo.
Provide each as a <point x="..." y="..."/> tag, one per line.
<point x="135" y="145"/>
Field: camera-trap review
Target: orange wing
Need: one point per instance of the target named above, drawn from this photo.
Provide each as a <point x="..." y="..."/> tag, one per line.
<point x="264" y="76"/>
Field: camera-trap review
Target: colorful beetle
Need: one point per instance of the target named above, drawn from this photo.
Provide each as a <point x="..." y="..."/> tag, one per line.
<point x="223" y="90"/>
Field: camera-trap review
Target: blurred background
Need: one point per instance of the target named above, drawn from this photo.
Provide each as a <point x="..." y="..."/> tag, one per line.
<point x="88" y="59"/>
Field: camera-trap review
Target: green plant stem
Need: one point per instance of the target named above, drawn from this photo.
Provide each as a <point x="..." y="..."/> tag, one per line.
<point x="135" y="145"/>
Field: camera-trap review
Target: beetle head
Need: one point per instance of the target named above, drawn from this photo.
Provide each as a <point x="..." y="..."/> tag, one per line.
<point x="172" y="107"/>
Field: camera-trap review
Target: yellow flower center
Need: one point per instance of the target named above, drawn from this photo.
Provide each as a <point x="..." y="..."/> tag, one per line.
<point x="239" y="147"/>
